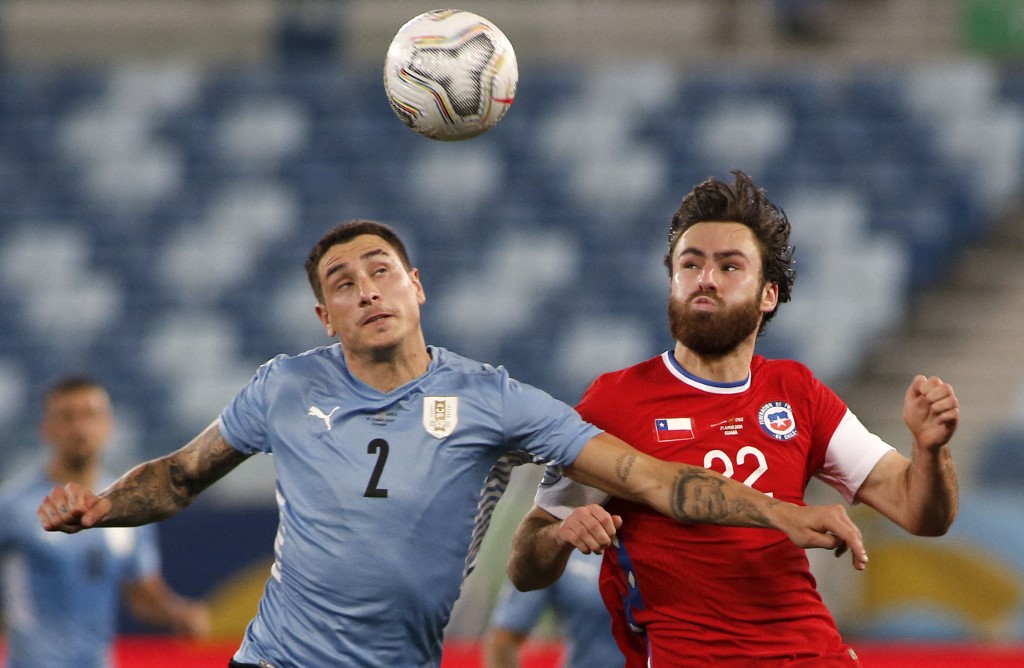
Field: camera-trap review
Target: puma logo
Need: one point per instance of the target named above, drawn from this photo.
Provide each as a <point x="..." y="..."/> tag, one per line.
<point x="317" y="413"/>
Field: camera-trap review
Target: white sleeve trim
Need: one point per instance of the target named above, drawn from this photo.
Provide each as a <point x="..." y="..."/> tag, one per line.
<point x="852" y="454"/>
<point x="560" y="495"/>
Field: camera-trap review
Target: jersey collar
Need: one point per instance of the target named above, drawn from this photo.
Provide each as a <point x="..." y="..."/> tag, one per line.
<point x="706" y="385"/>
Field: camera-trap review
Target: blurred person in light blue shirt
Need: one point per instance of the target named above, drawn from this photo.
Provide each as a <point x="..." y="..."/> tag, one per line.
<point x="61" y="593"/>
<point x="576" y="602"/>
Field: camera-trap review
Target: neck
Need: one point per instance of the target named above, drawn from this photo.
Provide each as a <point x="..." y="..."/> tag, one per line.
<point x="385" y="370"/>
<point x="732" y="367"/>
<point x="86" y="475"/>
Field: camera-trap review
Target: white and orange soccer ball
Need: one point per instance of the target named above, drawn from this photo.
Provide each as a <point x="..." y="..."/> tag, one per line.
<point x="450" y="74"/>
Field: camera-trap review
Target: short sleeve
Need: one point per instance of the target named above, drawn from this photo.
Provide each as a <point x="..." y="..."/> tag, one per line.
<point x="560" y="495"/>
<point x="852" y="454"/>
<point x="540" y="424"/>
<point x="243" y="422"/>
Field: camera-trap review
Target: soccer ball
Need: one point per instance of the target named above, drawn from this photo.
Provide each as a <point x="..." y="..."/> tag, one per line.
<point x="450" y="74"/>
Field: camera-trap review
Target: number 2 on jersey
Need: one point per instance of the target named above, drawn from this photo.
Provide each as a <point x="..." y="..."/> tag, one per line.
<point x="379" y="447"/>
<point x="741" y="456"/>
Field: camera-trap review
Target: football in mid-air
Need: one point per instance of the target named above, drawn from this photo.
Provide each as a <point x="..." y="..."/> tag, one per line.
<point x="450" y="74"/>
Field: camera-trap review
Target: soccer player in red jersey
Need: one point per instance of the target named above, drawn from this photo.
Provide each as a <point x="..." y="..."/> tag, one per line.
<point x="712" y="595"/>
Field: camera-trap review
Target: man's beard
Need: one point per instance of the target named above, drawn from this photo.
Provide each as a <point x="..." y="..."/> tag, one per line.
<point x="714" y="334"/>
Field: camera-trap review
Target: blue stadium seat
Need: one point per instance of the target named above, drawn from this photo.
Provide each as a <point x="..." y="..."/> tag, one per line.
<point x="1002" y="457"/>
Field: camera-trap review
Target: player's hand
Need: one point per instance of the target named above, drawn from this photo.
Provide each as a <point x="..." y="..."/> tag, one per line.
<point x="192" y="620"/>
<point x="931" y="411"/>
<point x="827" y="527"/>
<point x="71" y="508"/>
<point x="589" y="528"/>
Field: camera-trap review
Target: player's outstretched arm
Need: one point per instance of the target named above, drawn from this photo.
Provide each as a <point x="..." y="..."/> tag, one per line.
<point x="693" y="494"/>
<point x="921" y="493"/>
<point x="150" y="492"/>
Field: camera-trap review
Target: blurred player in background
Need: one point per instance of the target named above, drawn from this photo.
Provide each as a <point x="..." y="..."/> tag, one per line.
<point x="61" y="593"/>
<point x="576" y="602"/>
<point x="390" y="456"/>
<point x="700" y="595"/>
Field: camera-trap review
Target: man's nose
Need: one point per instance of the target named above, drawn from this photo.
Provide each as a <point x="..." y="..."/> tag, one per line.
<point x="707" y="278"/>
<point x="368" y="291"/>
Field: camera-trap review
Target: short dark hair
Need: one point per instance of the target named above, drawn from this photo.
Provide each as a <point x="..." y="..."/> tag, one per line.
<point x="69" y="384"/>
<point x="744" y="203"/>
<point x="344" y="232"/>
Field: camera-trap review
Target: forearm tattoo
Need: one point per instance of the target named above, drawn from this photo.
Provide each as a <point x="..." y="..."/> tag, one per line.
<point x="159" y="488"/>
<point x="698" y="496"/>
<point x="624" y="464"/>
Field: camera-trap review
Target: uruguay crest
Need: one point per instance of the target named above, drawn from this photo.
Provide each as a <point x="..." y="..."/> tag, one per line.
<point x="440" y="415"/>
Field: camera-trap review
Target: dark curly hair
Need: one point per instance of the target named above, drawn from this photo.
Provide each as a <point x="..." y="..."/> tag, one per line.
<point x="343" y="233"/>
<point x="744" y="203"/>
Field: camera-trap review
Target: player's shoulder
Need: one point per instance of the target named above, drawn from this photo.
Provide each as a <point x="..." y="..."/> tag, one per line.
<point x="786" y="380"/>
<point x="316" y="355"/>
<point x="302" y="362"/>
<point x="445" y="361"/>
<point x="779" y="368"/>
<point x="642" y="372"/>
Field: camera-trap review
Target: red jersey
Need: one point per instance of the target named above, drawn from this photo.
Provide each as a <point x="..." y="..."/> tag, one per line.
<point x="687" y="595"/>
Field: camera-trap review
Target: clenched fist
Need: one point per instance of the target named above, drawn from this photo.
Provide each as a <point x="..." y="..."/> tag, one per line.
<point x="71" y="508"/>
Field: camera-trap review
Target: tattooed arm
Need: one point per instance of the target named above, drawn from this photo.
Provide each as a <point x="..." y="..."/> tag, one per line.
<point x="150" y="492"/>
<point x="690" y="494"/>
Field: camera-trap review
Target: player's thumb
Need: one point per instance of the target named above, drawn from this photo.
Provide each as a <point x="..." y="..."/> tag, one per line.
<point x="96" y="508"/>
<point x="916" y="388"/>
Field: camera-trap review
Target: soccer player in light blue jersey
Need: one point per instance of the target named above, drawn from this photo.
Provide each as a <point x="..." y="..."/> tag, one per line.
<point x="61" y="593"/>
<point x="390" y="455"/>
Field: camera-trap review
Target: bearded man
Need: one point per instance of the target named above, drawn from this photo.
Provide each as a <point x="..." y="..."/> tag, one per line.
<point x="689" y="595"/>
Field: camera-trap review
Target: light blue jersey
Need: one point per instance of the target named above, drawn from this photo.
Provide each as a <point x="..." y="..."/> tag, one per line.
<point x="384" y="499"/>
<point x="576" y="601"/>
<point x="61" y="591"/>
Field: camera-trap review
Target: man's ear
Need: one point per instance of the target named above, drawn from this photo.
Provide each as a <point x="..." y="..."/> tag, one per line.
<point x="325" y="318"/>
<point x="769" y="297"/>
<point x="421" y="294"/>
